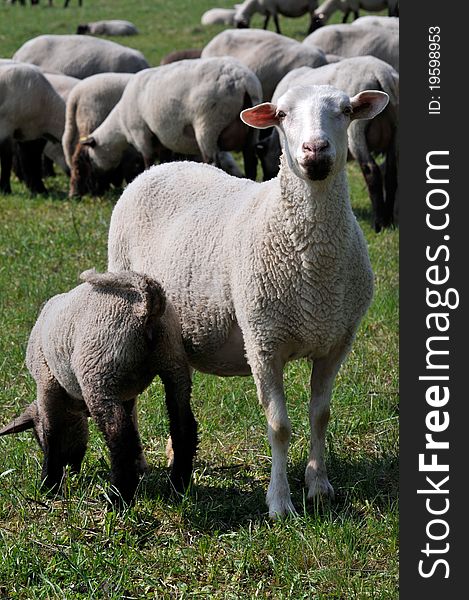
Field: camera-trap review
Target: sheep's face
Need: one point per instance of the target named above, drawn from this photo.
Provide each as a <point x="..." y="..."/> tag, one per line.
<point x="313" y="123"/>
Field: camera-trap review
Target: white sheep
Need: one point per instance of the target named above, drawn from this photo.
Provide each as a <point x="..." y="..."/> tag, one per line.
<point x="273" y="8"/>
<point x="80" y="56"/>
<point x="328" y="7"/>
<point x="31" y="111"/>
<point x="91" y="352"/>
<point x="359" y="40"/>
<point x="365" y="138"/>
<point x="88" y="106"/>
<point x="269" y="55"/>
<point x="262" y="273"/>
<point x="189" y="107"/>
<point x="110" y="27"/>
<point x="218" y="16"/>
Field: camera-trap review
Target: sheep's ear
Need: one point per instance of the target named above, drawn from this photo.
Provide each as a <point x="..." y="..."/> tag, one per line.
<point x="88" y="141"/>
<point x="368" y="104"/>
<point x="21" y="423"/>
<point x="261" y="116"/>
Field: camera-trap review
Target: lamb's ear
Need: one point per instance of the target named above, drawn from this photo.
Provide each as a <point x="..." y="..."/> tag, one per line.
<point x="21" y="423"/>
<point x="368" y="104"/>
<point x="261" y="116"/>
<point x="88" y="141"/>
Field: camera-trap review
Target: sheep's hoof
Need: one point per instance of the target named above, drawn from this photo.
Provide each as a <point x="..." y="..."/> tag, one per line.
<point x="279" y="502"/>
<point x="319" y="489"/>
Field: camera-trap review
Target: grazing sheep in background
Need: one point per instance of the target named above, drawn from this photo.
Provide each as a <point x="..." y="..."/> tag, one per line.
<point x="176" y="55"/>
<point x="326" y="9"/>
<point x="31" y="111"/>
<point x="80" y="56"/>
<point x="189" y="107"/>
<point x="218" y="16"/>
<point x="87" y="107"/>
<point x="275" y="271"/>
<point x="91" y="352"/>
<point x="364" y="137"/>
<point x="269" y="55"/>
<point x="111" y="27"/>
<point x="347" y="41"/>
<point x="273" y="8"/>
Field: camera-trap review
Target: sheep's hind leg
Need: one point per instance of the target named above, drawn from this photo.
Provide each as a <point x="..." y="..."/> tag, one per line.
<point x="322" y="380"/>
<point x="268" y="377"/>
<point x="116" y="422"/>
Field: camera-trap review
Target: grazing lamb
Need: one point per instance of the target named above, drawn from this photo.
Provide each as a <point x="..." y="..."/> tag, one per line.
<point x="189" y="107"/>
<point x="112" y="27"/>
<point x="275" y="271"/>
<point x="269" y="55"/>
<point x="347" y="41"/>
<point x="91" y="352"/>
<point x="87" y="107"/>
<point x="273" y="8"/>
<point x="80" y="56"/>
<point x="31" y="111"/>
<point x="218" y="16"/>
<point x="365" y="138"/>
<point x="326" y="9"/>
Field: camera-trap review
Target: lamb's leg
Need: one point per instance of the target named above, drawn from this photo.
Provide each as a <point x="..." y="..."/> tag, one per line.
<point x="277" y="24"/>
<point x="322" y="379"/>
<point x="268" y="377"/>
<point x="182" y="426"/>
<point x="116" y="422"/>
<point x="266" y="20"/>
<point x="6" y="159"/>
<point x="346" y="15"/>
<point x="63" y="433"/>
<point x="30" y="159"/>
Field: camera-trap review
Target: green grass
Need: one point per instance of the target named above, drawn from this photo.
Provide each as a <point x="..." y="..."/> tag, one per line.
<point x="218" y="542"/>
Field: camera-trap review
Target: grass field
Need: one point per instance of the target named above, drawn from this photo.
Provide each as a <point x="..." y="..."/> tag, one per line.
<point x="218" y="542"/>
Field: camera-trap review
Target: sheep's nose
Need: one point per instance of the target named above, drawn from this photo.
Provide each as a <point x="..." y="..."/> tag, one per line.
<point x="315" y="147"/>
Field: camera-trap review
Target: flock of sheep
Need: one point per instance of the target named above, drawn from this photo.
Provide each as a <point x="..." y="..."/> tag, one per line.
<point x="207" y="268"/>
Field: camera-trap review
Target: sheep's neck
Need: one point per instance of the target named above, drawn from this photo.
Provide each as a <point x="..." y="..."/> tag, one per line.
<point x="111" y="141"/>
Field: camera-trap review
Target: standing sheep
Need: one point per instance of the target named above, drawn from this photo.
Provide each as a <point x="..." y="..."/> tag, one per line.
<point x="365" y="138"/>
<point x="31" y="111"/>
<point x="273" y="8"/>
<point x="269" y="55"/>
<point x="80" y="56"/>
<point x="326" y="9"/>
<point x="190" y="107"/>
<point x="88" y="106"/>
<point x="275" y="271"/>
<point x="91" y="352"/>
<point x="360" y="40"/>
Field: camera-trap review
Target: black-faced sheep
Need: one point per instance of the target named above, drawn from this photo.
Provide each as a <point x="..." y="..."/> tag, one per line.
<point x="189" y="107"/>
<point x="276" y="271"/>
<point x="111" y="27"/>
<point x="91" y="352"/>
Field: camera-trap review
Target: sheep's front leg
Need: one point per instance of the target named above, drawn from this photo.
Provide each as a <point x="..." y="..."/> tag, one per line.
<point x="116" y="421"/>
<point x="322" y="380"/>
<point x="268" y="377"/>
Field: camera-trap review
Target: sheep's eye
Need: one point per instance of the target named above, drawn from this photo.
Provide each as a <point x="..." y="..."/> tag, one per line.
<point x="281" y="115"/>
<point x="347" y="110"/>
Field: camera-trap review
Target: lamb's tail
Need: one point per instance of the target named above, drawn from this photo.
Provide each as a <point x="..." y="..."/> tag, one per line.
<point x="151" y="292"/>
<point x="70" y="136"/>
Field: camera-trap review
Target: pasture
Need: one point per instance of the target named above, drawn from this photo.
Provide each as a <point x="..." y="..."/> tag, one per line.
<point x="218" y="541"/>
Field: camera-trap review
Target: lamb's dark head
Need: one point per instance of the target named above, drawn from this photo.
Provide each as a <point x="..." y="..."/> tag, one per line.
<point x="312" y="122"/>
<point x="85" y="177"/>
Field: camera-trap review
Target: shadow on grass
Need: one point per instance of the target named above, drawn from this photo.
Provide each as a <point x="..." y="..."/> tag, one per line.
<point x="223" y="499"/>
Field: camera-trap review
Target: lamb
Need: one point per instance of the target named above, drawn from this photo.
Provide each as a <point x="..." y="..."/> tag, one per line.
<point x="364" y="137"/>
<point x="347" y="41"/>
<point x="276" y="271"/>
<point x="269" y="55"/>
<point x="89" y="104"/>
<point x="91" y="352"/>
<point x="190" y="107"/>
<point x="80" y="56"/>
<point x="30" y="111"/>
<point x="322" y="14"/>
<point x="111" y="27"/>
<point x="273" y="8"/>
<point x="218" y="16"/>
